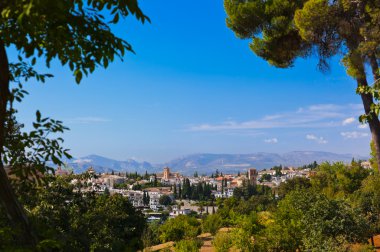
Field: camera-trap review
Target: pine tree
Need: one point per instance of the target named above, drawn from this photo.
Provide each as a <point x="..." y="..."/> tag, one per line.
<point x="283" y="31"/>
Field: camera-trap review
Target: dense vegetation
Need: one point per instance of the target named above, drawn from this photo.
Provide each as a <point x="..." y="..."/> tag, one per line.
<point x="336" y="210"/>
<point x="68" y="219"/>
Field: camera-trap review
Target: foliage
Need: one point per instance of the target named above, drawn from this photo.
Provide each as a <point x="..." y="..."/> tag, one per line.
<point x="199" y="191"/>
<point x="266" y="177"/>
<point x="150" y="236"/>
<point x="311" y="166"/>
<point x="181" y="227"/>
<point x="336" y="210"/>
<point x="338" y="179"/>
<point x="373" y="158"/>
<point x="76" y="221"/>
<point x="242" y="240"/>
<point x="296" y="183"/>
<point x="29" y="153"/>
<point x="165" y="200"/>
<point x="76" y="33"/>
<point x="283" y="30"/>
<point x="212" y="223"/>
<point x="222" y="242"/>
<point x="367" y="198"/>
<point x="192" y="245"/>
<point x="309" y="220"/>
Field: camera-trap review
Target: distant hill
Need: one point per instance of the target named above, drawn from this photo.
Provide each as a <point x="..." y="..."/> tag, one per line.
<point x="207" y="163"/>
<point x="102" y="164"/>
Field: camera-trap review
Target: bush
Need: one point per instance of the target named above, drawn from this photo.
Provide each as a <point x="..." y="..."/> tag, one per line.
<point x="188" y="245"/>
<point x="242" y="240"/>
<point x="179" y="228"/>
<point x="212" y="223"/>
<point x="222" y="242"/>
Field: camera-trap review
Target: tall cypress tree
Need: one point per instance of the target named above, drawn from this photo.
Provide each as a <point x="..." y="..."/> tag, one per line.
<point x="179" y="191"/>
<point x="175" y="191"/>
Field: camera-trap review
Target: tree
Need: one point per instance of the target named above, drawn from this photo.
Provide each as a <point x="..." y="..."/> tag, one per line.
<point x="146" y="198"/>
<point x="175" y="191"/>
<point x="165" y="200"/>
<point x="283" y="30"/>
<point x="367" y="198"/>
<point x="155" y="182"/>
<point x="338" y="179"/>
<point x="65" y="219"/>
<point x="180" y="191"/>
<point x="178" y="228"/>
<point x="296" y="183"/>
<point x="212" y="223"/>
<point x="266" y="177"/>
<point x="312" y="221"/>
<point x="73" y="32"/>
<point x="373" y="158"/>
<point x="222" y="242"/>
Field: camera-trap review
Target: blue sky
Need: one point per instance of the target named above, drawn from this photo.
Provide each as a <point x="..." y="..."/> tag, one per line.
<point x="194" y="87"/>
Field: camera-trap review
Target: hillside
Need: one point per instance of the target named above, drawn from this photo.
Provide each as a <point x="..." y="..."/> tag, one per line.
<point x="206" y="163"/>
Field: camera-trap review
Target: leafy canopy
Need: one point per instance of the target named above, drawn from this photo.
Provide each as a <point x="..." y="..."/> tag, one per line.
<point x="75" y="32"/>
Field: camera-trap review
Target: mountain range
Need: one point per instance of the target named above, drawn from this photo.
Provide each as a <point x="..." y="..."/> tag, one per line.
<point x="205" y="163"/>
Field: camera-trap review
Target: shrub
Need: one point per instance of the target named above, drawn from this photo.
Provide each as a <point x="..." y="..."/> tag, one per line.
<point x="222" y="242"/>
<point x="188" y="245"/>
<point x="212" y="223"/>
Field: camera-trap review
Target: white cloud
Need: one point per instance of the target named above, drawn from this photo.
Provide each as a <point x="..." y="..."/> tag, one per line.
<point x="319" y="140"/>
<point x="271" y="140"/>
<point x="88" y="120"/>
<point x="315" y="116"/>
<point x="363" y="126"/>
<point x="353" y="134"/>
<point x="348" y="121"/>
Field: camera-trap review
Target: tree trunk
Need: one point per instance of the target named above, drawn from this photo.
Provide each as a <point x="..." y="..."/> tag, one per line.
<point x="8" y="199"/>
<point x="367" y="99"/>
<point x="376" y="78"/>
<point x="374" y="68"/>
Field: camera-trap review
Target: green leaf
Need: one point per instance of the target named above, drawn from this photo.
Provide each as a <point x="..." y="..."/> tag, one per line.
<point x="38" y="116"/>
<point x="78" y="77"/>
